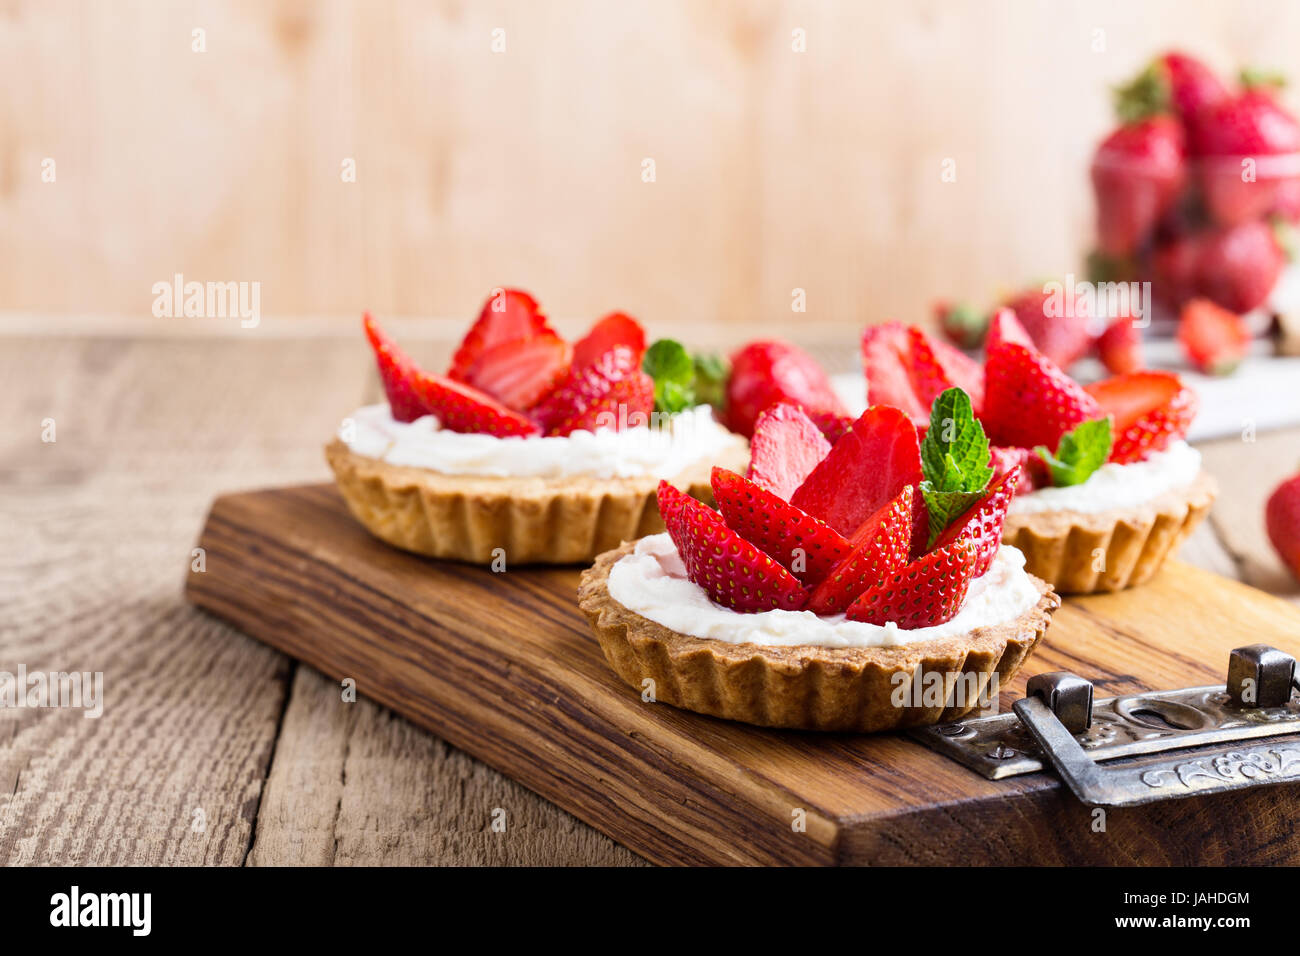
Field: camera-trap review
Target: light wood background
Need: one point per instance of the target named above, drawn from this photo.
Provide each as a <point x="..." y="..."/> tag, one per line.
<point x="775" y="170"/>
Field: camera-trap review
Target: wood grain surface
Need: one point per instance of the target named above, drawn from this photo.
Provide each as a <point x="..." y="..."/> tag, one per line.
<point x="504" y="666"/>
<point x="97" y="531"/>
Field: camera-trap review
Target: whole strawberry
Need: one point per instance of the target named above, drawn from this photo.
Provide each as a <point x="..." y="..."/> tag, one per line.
<point x="1137" y="173"/>
<point x="1057" y="323"/>
<point x="1029" y="401"/>
<point x="770" y="371"/>
<point x="1282" y="519"/>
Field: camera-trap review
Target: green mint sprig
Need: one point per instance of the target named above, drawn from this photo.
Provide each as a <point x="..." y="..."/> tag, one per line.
<point x="954" y="460"/>
<point x="681" y="380"/>
<point x="1080" y="452"/>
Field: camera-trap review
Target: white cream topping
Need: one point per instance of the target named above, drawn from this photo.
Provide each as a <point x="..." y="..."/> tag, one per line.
<point x="1118" y="486"/>
<point x="652" y="582"/>
<point x="658" y="450"/>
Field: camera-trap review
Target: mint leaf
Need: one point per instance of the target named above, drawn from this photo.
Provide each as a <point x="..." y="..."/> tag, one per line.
<point x="673" y="371"/>
<point x="1080" y="452"/>
<point x="954" y="460"/>
<point x="710" y="379"/>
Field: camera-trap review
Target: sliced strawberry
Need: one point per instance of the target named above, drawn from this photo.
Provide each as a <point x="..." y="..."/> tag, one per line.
<point x="1149" y="410"/>
<point x="396" y="371"/>
<point x="463" y="408"/>
<point x="1033" y="470"/>
<point x="1214" y="339"/>
<point x="614" y="329"/>
<point x="801" y="544"/>
<point x="612" y="392"/>
<point x="1028" y="401"/>
<point x="786" y="446"/>
<point x="833" y="425"/>
<point x="880" y="546"/>
<point x="1005" y="327"/>
<point x="520" y="372"/>
<point x="885" y="350"/>
<point x="936" y="366"/>
<point x="982" y="522"/>
<point x="866" y="469"/>
<point x="769" y="371"/>
<point x="733" y="572"/>
<point x="925" y="593"/>
<point x="1120" y="347"/>
<point x="1059" y="325"/>
<point x="509" y="315"/>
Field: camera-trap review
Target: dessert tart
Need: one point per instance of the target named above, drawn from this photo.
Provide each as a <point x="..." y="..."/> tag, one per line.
<point x="1109" y="487"/>
<point x="856" y="587"/>
<point x="530" y="449"/>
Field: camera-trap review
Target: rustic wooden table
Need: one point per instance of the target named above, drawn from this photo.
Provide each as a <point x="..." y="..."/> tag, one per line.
<point x="212" y="748"/>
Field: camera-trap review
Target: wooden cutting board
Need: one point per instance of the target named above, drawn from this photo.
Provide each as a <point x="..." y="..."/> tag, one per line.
<point x="504" y="666"/>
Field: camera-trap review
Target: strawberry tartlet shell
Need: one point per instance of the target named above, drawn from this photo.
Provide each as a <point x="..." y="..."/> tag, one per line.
<point x="843" y="689"/>
<point x="527" y="520"/>
<point x="1063" y="547"/>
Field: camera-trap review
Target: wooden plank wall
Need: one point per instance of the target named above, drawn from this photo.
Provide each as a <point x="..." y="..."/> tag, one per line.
<point x="774" y="169"/>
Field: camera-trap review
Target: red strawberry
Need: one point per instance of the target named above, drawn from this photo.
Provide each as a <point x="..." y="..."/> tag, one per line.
<point x="1137" y="173"/>
<point x="1238" y="267"/>
<point x="907" y="368"/>
<point x="1249" y="127"/>
<point x="396" y="371"/>
<point x="519" y="372"/>
<point x="937" y="366"/>
<point x="982" y="522"/>
<point x="1005" y="327"/>
<point x="612" y="392"/>
<point x="733" y="572"/>
<point x="1282" y="518"/>
<point x="874" y="461"/>
<point x="1028" y="401"/>
<point x="1214" y="339"/>
<point x="832" y="424"/>
<point x="1175" y="269"/>
<point x="614" y="329"/>
<point x="1057" y="323"/>
<point x="1173" y="82"/>
<point x="786" y="446"/>
<point x="1148" y="409"/>
<point x="927" y="592"/>
<point x="463" y="408"/>
<point x="509" y="315"/>
<point x="1033" y="470"/>
<point x="770" y="371"/>
<point x="804" y="546"/>
<point x="1120" y="346"/>
<point x="880" y="546"/>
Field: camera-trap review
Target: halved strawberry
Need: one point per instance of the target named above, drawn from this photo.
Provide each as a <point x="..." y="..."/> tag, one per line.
<point x="1005" y="327"/>
<point x="1214" y="339"/>
<point x="801" y="544"/>
<point x="925" y="593"/>
<point x="867" y="468"/>
<point x="518" y="373"/>
<point x="769" y="371"/>
<point x="463" y="408"/>
<point x="731" y="571"/>
<point x="397" y="373"/>
<point x="611" y="392"/>
<point x="936" y="366"/>
<point x="881" y="546"/>
<point x="1149" y="410"/>
<point x="889" y="381"/>
<point x="1028" y="401"/>
<point x="786" y="446"/>
<point x="833" y="425"/>
<point x="1033" y="470"/>
<point x="509" y="315"/>
<point x="614" y="329"/>
<point x="1120" y="346"/>
<point x="982" y="522"/>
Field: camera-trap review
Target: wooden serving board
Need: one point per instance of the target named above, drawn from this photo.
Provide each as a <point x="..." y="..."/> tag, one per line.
<point x="504" y="666"/>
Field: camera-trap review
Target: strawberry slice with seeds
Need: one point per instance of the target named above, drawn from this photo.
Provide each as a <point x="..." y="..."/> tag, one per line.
<point x="786" y="447"/>
<point x="612" y="392"/>
<point x="1028" y="401"/>
<point x="982" y="522"/>
<point x="866" y="469"/>
<point x="518" y="373"/>
<point x="614" y="329"/>
<point x="1149" y="409"/>
<point x="833" y="425"/>
<point x="463" y="408"/>
<point x="925" y="593"/>
<point x="1033" y="470"/>
<point x="936" y="366"/>
<point x="801" y="544"/>
<point x="733" y="572"/>
<point x="509" y="315"/>
<point x="884" y="361"/>
<point x="1005" y="327"/>
<point x="397" y="372"/>
<point x="880" y="546"/>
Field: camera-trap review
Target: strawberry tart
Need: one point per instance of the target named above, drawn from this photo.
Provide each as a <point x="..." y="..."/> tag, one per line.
<point x="1109" y="487"/>
<point x="530" y="449"/>
<point x="831" y="582"/>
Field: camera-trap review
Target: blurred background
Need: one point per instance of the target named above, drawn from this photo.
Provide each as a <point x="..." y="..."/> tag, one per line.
<point x="684" y="161"/>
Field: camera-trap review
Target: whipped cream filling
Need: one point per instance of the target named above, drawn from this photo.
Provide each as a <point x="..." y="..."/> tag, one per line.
<point x="652" y="582"/>
<point x="1118" y="486"/>
<point x="659" y="450"/>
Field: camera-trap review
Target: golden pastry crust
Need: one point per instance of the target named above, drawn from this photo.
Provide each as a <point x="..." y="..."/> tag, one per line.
<point x="807" y="687"/>
<point x="1087" y="553"/>
<point x="534" y="520"/>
